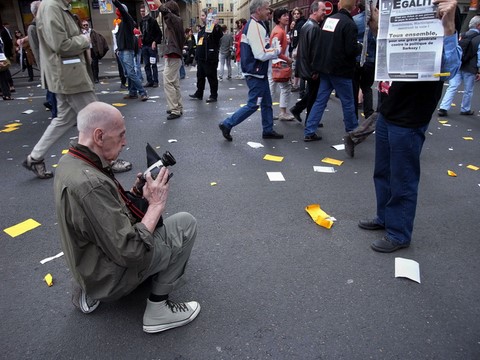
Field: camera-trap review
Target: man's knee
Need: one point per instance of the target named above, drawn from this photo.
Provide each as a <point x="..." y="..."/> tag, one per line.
<point x="186" y="223"/>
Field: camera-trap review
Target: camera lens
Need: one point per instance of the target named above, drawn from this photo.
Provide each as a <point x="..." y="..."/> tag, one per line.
<point x="168" y="159"/>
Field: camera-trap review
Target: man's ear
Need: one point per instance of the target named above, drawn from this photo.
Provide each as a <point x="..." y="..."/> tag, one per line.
<point x="98" y="136"/>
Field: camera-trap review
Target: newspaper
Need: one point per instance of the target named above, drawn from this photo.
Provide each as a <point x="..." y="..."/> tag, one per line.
<point x="409" y="41"/>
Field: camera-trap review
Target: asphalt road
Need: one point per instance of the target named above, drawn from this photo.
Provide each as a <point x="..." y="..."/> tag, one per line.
<point x="272" y="284"/>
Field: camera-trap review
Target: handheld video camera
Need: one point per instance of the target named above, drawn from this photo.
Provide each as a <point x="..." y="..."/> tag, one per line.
<point x="166" y="159"/>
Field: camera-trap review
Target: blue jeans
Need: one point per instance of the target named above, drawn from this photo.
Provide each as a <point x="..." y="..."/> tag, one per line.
<point x="258" y="94"/>
<point x="182" y="71"/>
<point x="396" y="177"/>
<point x="127" y="58"/>
<point x="453" y="84"/>
<point x="151" y="70"/>
<point x="344" y="90"/>
<point x="52" y="99"/>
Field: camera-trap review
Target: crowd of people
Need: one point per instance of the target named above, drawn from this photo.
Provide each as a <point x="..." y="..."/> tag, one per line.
<point x="111" y="244"/>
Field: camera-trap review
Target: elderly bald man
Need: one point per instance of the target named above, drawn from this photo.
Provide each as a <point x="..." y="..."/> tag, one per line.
<point x="109" y="250"/>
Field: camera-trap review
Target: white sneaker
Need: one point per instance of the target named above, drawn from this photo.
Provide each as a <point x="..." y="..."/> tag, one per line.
<point x="286" y="117"/>
<point x="166" y="315"/>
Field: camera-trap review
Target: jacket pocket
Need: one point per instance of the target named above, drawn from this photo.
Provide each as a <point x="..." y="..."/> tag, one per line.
<point x="73" y="71"/>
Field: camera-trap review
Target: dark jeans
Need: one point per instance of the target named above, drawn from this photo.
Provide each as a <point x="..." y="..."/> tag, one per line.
<point x="151" y="70"/>
<point x="363" y="79"/>
<point x="52" y="99"/>
<point x="396" y="177"/>
<point x="207" y="70"/>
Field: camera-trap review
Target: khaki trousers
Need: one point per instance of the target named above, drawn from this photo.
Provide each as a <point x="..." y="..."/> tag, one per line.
<point x="173" y="245"/>
<point x="171" y="85"/>
<point x="68" y="107"/>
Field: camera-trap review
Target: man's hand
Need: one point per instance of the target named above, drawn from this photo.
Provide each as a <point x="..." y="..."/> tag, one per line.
<point x="446" y="12"/>
<point x="156" y="193"/>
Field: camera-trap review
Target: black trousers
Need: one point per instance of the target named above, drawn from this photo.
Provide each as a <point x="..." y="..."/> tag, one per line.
<point x="307" y="101"/>
<point x="363" y="79"/>
<point x="207" y="70"/>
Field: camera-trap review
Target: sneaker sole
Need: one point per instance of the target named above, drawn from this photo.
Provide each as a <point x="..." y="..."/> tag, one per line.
<point x="83" y="306"/>
<point x="152" y="329"/>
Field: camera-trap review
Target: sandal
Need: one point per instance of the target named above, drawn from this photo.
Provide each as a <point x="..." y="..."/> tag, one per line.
<point x="7" y="98"/>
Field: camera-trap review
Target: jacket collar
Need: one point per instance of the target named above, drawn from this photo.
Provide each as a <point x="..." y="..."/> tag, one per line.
<point x="93" y="157"/>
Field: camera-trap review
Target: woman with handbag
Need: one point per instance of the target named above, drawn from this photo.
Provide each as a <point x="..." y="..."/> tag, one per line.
<point x="281" y="67"/>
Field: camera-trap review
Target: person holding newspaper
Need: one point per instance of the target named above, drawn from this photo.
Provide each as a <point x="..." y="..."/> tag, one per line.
<point x="400" y="130"/>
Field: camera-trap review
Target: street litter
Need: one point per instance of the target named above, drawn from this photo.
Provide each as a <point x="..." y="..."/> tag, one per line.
<point x="406" y="268"/>
<point x="275" y="176"/>
<point x="48" y="279"/>
<point x="319" y="216"/>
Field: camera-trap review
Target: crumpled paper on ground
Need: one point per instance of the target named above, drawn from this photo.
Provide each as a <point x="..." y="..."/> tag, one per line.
<point x="319" y="216"/>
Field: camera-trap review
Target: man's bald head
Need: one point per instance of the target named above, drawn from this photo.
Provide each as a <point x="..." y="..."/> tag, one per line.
<point x="102" y="129"/>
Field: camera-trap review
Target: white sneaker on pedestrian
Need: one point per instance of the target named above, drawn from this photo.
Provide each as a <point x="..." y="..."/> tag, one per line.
<point x="286" y="117"/>
<point x="166" y="315"/>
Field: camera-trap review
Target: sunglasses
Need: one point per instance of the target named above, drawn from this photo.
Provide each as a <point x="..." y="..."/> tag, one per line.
<point x="85" y="25"/>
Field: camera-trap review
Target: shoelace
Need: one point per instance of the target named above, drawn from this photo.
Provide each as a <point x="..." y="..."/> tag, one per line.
<point x="176" y="307"/>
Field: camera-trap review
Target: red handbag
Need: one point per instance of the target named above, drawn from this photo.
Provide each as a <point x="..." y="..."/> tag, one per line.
<point x="281" y="72"/>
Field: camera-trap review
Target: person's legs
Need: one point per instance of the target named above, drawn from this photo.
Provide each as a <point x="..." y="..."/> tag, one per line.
<point x="171" y="85"/>
<point x="128" y="61"/>
<point x="147" y="65"/>
<point x="285" y="89"/>
<point x="154" y="55"/>
<point x="366" y="83"/>
<point x="68" y="108"/>
<point x="254" y="100"/>
<point x="453" y="85"/>
<point x="211" y="73"/>
<point x="4" y="85"/>
<point x="344" y="90"/>
<point x="172" y="247"/>
<point x="315" y="115"/>
<point x="468" y="85"/>
<point x="265" y="105"/>
<point x="95" y="69"/>
<point x="229" y="66"/>
<point x="52" y="99"/>
<point x="312" y="91"/>
<point x="200" y="78"/>
<point x="121" y="74"/>
<point x="405" y="148"/>
<point x="381" y="172"/>
<point x="222" y="66"/>
<point x="182" y="73"/>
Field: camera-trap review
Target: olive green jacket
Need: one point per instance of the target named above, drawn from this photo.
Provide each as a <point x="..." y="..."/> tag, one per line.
<point x="65" y="68"/>
<point x="107" y="251"/>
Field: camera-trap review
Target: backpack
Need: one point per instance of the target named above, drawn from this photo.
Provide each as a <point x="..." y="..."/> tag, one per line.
<point x="465" y="43"/>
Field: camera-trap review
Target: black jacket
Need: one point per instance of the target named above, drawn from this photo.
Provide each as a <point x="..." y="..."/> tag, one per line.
<point x="411" y="104"/>
<point x="338" y="46"/>
<point x="126" y="40"/>
<point x="208" y="44"/>
<point x="150" y="31"/>
<point x="308" y="49"/>
<point x="471" y="65"/>
<point x="296" y="33"/>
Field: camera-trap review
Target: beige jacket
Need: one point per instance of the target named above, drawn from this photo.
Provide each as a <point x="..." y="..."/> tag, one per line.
<point x="64" y="69"/>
